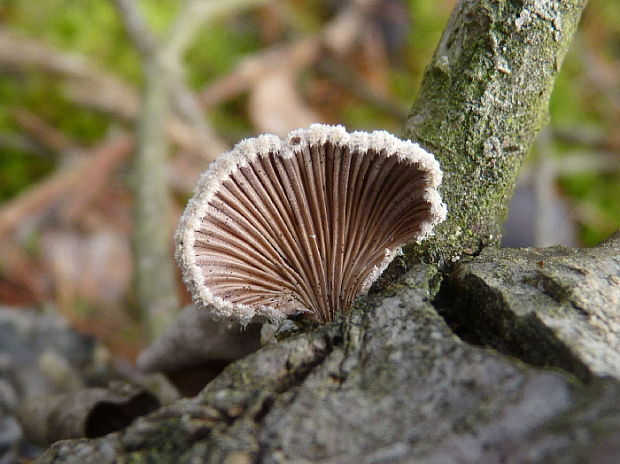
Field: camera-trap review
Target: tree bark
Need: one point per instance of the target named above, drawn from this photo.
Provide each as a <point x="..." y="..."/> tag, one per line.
<point x="389" y="383"/>
<point x="484" y="97"/>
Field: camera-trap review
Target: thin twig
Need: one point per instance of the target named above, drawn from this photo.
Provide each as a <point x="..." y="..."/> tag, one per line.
<point x="96" y="176"/>
<point x="47" y="192"/>
<point x="23" y="279"/>
<point x="187" y="106"/>
<point x="338" y="37"/>
<point x="20" y="52"/>
<point x="39" y="197"/>
<point x="164" y="79"/>
<point x="544" y="190"/>
<point x="192" y="17"/>
<point x="43" y="133"/>
<point x="296" y="54"/>
<point x="89" y="86"/>
<point x="156" y="286"/>
<point x="137" y="29"/>
<point x="21" y="143"/>
<point x="575" y="162"/>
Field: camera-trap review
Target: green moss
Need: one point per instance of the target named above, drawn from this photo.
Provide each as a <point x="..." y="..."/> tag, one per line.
<point x="480" y="120"/>
<point x="217" y="49"/>
<point x="18" y="170"/>
<point x="162" y="445"/>
<point x="79" y="26"/>
<point x="597" y="196"/>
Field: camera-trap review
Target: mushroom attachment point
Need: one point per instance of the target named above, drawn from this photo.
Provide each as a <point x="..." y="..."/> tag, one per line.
<point x="304" y="225"/>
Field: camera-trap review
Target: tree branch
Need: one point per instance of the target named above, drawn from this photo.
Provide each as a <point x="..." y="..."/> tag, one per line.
<point x="338" y="37"/>
<point x="62" y="181"/>
<point x="42" y="132"/>
<point x="135" y="25"/>
<point x="156" y="284"/>
<point x="193" y="15"/>
<point x="483" y="100"/>
<point x="187" y="105"/>
<point x="155" y="274"/>
<point x="164" y="84"/>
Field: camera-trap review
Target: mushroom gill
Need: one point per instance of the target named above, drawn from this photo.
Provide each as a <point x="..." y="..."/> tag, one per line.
<point x="277" y="228"/>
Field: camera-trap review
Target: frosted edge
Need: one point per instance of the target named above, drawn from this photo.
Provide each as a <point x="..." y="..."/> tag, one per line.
<point x="247" y="151"/>
<point x="208" y="184"/>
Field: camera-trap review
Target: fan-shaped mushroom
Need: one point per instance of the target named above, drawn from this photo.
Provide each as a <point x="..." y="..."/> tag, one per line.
<point x="307" y="224"/>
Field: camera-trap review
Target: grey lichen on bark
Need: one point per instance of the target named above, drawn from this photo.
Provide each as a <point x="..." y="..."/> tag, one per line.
<point x="483" y="99"/>
<point x="554" y="306"/>
<point x="389" y="382"/>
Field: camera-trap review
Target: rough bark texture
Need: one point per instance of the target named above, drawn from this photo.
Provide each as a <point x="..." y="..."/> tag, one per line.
<point x="549" y="306"/>
<point x="391" y="382"/>
<point x="388" y="383"/>
<point x="483" y="100"/>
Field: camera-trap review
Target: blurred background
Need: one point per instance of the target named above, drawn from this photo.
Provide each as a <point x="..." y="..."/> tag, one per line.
<point x="105" y="104"/>
<point x="70" y="98"/>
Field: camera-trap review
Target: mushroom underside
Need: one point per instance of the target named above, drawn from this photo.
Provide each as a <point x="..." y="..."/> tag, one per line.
<point x="311" y="231"/>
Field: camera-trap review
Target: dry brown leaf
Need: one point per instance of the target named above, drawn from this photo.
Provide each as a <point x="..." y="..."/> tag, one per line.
<point x="196" y="348"/>
<point x="90" y="413"/>
<point x="275" y="105"/>
<point x="94" y="268"/>
<point x="196" y="337"/>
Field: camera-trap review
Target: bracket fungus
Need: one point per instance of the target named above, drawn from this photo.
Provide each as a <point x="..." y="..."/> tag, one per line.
<point x="304" y="225"/>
